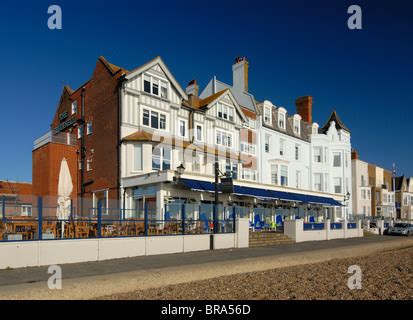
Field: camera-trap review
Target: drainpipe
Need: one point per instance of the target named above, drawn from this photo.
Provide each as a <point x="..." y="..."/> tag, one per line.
<point x="82" y="150"/>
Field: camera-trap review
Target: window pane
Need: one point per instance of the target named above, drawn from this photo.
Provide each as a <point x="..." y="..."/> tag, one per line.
<point x="162" y="122"/>
<point x="147" y="84"/>
<point x="155" y="87"/>
<point x="145" y="117"/>
<point x="137" y="164"/>
<point x="164" y="90"/>
<point x="199" y="133"/>
<point x="154" y="120"/>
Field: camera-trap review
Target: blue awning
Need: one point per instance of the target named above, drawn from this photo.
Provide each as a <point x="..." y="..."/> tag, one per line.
<point x="264" y="194"/>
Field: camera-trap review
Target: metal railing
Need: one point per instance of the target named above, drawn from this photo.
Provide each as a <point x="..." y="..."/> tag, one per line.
<point x="102" y="222"/>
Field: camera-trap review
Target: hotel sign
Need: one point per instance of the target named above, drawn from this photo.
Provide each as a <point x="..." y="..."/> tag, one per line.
<point x="64" y="125"/>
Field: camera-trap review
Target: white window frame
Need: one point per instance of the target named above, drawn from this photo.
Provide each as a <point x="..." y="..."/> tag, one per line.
<point x="162" y="83"/>
<point x="297" y="152"/>
<point x="267" y="115"/>
<point x="335" y="154"/>
<point x="80" y="132"/>
<point x="267" y="142"/>
<point x="285" y="183"/>
<point x="274" y="174"/>
<point x="223" y="133"/>
<point x="151" y="111"/>
<point x="89" y="164"/>
<point x="227" y="111"/>
<point x="316" y="183"/>
<point x="320" y="155"/>
<point x="338" y="185"/>
<point x="282" y="147"/>
<point x="196" y="132"/>
<point x="297" y="128"/>
<point x="282" y="118"/>
<point x="248" y="148"/>
<point x="298" y="179"/>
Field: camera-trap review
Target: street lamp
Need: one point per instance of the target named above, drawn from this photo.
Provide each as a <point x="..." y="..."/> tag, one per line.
<point x="179" y="172"/>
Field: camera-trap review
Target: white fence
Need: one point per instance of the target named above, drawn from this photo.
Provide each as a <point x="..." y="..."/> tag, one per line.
<point x="42" y="253"/>
<point x="295" y="230"/>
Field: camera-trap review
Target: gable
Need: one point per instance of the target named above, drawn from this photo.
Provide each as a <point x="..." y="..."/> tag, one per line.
<point x="157" y="68"/>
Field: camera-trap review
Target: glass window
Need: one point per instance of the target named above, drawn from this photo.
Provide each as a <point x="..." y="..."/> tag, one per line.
<point x="224" y="139"/>
<point x="317" y="154"/>
<point x="297" y="152"/>
<point x="154" y="120"/>
<point x="89" y="164"/>
<point x="318" y="182"/>
<point x="267" y="115"/>
<point x="156" y="158"/>
<point x="198" y="135"/>
<point x="155" y="87"/>
<point x="147" y="84"/>
<point x="363" y="194"/>
<point x="80" y="132"/>
<point x="164" y="90"/>
<point x="74" y="107"/>
<point x="282" y="142"/>
<point x="284" y="175"/>
<point x="297" y="126"/>
<point x="337" y="185"/>
<point x="281" y="120"/>
<point x="267" y="143"/>
<point x="137" y="159"/>
<point x="298" y="180"/>
<point x="145" y="119"/>
<point x="166" y="159"/>
<point x="337" y="159"/>
<point x="182" y="128"/>
<point x="274" y="174"/>
<point x="89" y="128"/>
<point x="162" y="122"/>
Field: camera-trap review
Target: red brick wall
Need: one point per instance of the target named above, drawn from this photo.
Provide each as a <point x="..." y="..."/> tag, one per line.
<point x="101" y="108"/>
<point x="46" y="168"/>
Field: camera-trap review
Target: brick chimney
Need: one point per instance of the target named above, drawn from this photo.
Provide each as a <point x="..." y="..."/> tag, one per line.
<point x="354" y="154"/>
<point x="192" y="88"/>
<point x="304" y="107"/>
<point x="240" y="74"/>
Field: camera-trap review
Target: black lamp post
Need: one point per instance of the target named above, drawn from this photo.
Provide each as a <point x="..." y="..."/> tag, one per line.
<point x="179" y="172"/>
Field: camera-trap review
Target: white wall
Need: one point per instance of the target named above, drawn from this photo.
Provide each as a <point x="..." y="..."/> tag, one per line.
<point x="49" y="252"/>
<point x="295" y="230"/>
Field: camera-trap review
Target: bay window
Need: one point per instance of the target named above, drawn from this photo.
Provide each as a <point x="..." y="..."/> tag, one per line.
<point x="274" y="174"/>
<point x="137" y="157"/>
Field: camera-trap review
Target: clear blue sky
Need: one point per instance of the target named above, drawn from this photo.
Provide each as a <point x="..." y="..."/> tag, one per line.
<point x="294" y="49"/>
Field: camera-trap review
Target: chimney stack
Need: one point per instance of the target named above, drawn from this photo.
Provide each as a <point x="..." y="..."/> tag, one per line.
<point x="354" y="154"/>
<point x="240" y="74"/>
<point x="304" y="107"/>
<point x="192" y="88"/>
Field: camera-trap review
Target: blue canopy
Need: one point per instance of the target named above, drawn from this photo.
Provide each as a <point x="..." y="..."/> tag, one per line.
<point x="259" y="193"/>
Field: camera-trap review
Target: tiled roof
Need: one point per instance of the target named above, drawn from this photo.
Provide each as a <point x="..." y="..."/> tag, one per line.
<point x="339" y="123"/>
<point x="15" y="188"/>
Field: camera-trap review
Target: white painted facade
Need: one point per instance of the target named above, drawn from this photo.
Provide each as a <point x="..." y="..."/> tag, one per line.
<point x="361" y="190"/>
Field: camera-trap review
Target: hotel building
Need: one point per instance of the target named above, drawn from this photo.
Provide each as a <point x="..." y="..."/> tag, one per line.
<point x="126" y="133"/>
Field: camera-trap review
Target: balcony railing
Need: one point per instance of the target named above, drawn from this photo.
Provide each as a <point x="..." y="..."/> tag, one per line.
<point x="61" y="138"/>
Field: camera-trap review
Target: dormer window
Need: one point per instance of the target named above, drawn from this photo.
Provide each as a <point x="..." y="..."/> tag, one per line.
<point x="297" y="124"/>
<point x="314" y="128"/>
<point x="267" y="115"/>
<point x="281" y="119"/>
